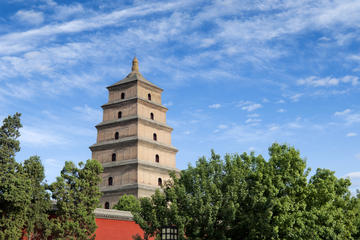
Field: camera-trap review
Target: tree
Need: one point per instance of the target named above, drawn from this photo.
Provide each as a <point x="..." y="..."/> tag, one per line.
<point x="24" y="199"/>
<point x="77" y="195"/>
<point x="14" y="187"/>
<point x="128" y="203"/>
<point x="37" y="212"/>
<point x="246" y="197"/>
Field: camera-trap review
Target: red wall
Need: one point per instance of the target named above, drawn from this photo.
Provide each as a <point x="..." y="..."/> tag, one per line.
<point x="109" y="229"/>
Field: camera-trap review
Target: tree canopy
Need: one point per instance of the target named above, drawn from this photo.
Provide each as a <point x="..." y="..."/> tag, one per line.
<point x="77" y="194"/>
<point x="246" y="197"/>
<point x="128" y="203"/>
<point x="25" y="205"/>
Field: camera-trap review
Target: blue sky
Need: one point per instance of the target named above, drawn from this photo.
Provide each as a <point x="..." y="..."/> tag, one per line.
<point x="237" y="75"/>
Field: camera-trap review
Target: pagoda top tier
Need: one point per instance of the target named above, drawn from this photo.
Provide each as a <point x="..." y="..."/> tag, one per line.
<point x="134" y="75"/>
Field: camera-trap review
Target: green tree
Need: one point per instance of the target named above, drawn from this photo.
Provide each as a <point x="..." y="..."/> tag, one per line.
<point x="246" y="197"/>
<point x="14" y="187"/>
<point x="77" y="195"/>
<point x="128" y="203"/>
<point x="37" y="212"/>
<point x="24" y="201"/>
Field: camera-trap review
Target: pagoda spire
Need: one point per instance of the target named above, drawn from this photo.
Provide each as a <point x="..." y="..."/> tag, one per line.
<point x="135" y="65"/>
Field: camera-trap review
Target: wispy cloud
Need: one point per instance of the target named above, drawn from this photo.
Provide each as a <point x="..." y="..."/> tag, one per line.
<point x="296" y="97"/>
<point x="29" y="17"/>
<point x="215" y="105"/>
<point x="89" y="114"/>
<point x="38" y="137"/>
<point x="355" y="181"/>
<point x="253" y="121"/>
<point x="314" y="81"/>
<point x="249" y="106"/>
<point x="351" y="134"/>
<point x="23" y="41"/>
<point x="349" y="116"/>
<point x="168" y="104"/>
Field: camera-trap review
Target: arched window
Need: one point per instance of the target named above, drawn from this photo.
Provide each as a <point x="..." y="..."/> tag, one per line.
<point x="110" y="181"/>
<point x="119" y="114"/>
<point x="122" y="95"/>
<point x="149" y="97"/>
<point x="107" y="205"/>
<point x="151" y="116"/>
<point x="157" y="158"/>
<point x="155" y="137"/>
<point x="116" y="135"/>
<point x="159" y="181"/>
<point x="113" y="157"/>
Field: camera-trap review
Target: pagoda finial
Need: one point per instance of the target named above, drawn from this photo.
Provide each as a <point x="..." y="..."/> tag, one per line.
<point x="135" y="65"/>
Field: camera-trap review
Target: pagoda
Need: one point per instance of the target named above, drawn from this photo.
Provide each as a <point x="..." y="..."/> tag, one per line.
<point x="133" y="140"/>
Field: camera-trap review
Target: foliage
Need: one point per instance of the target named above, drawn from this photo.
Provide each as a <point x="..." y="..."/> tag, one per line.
<point x="14" y="187"/>
<point x="77" y="195"/>
<point x="128" y="203"/>
<point x="24" y="199"/>
<point x="37" y="212"/>
<point x="244" y="196"/>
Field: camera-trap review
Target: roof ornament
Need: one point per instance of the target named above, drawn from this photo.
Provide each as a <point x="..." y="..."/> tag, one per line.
<point x="135" y="65"/>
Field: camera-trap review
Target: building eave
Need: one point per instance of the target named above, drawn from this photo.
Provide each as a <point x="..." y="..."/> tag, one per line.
<point x="134" y="99"/>
<point x="128" y="140"/>
<point x="125" y="120"/>
<point x="134" y="186"/>
<point x="139" y="163"/>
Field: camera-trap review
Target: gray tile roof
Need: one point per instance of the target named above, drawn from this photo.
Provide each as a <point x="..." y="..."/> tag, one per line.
<point x="134" y="76"/>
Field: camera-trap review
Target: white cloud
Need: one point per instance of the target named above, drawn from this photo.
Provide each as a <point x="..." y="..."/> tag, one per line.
<point x="249" y="106"/>
<point x="25" y="41"/>
<point x="66" y="11"/>
<point x="29" y="17"/>
<point x="296" y="97"/>
<point x="89" y="114"/>
<point x="222" y="126"/>
<point x="345" y="112"/>
<point x="168" y="104"/>
<point x="349" y="116"/>
<point x="253" y="120"/>
<point x="353" y="175"/>
<point x="252" y="149"/>
<point x="328" y="81"/>
<point x="39" y="137"/>
<point x="244" y="133"/>
<point x="274" y="128"/>
<point x="187" y="132"/>
<point x="351" y="134"/>
<point x="25" y="91"/>
<point x="295" y="124"/>
<point x="215" y="105"/>
<point x="281" y="110"/>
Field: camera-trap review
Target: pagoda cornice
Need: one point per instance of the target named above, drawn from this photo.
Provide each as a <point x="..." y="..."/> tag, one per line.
<point x="129" y="140"/>
<point x="126" y="120"/>
<point x="109" y="189"/>
<point x="134" y="99"/>
<point x="140" y="163"/>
